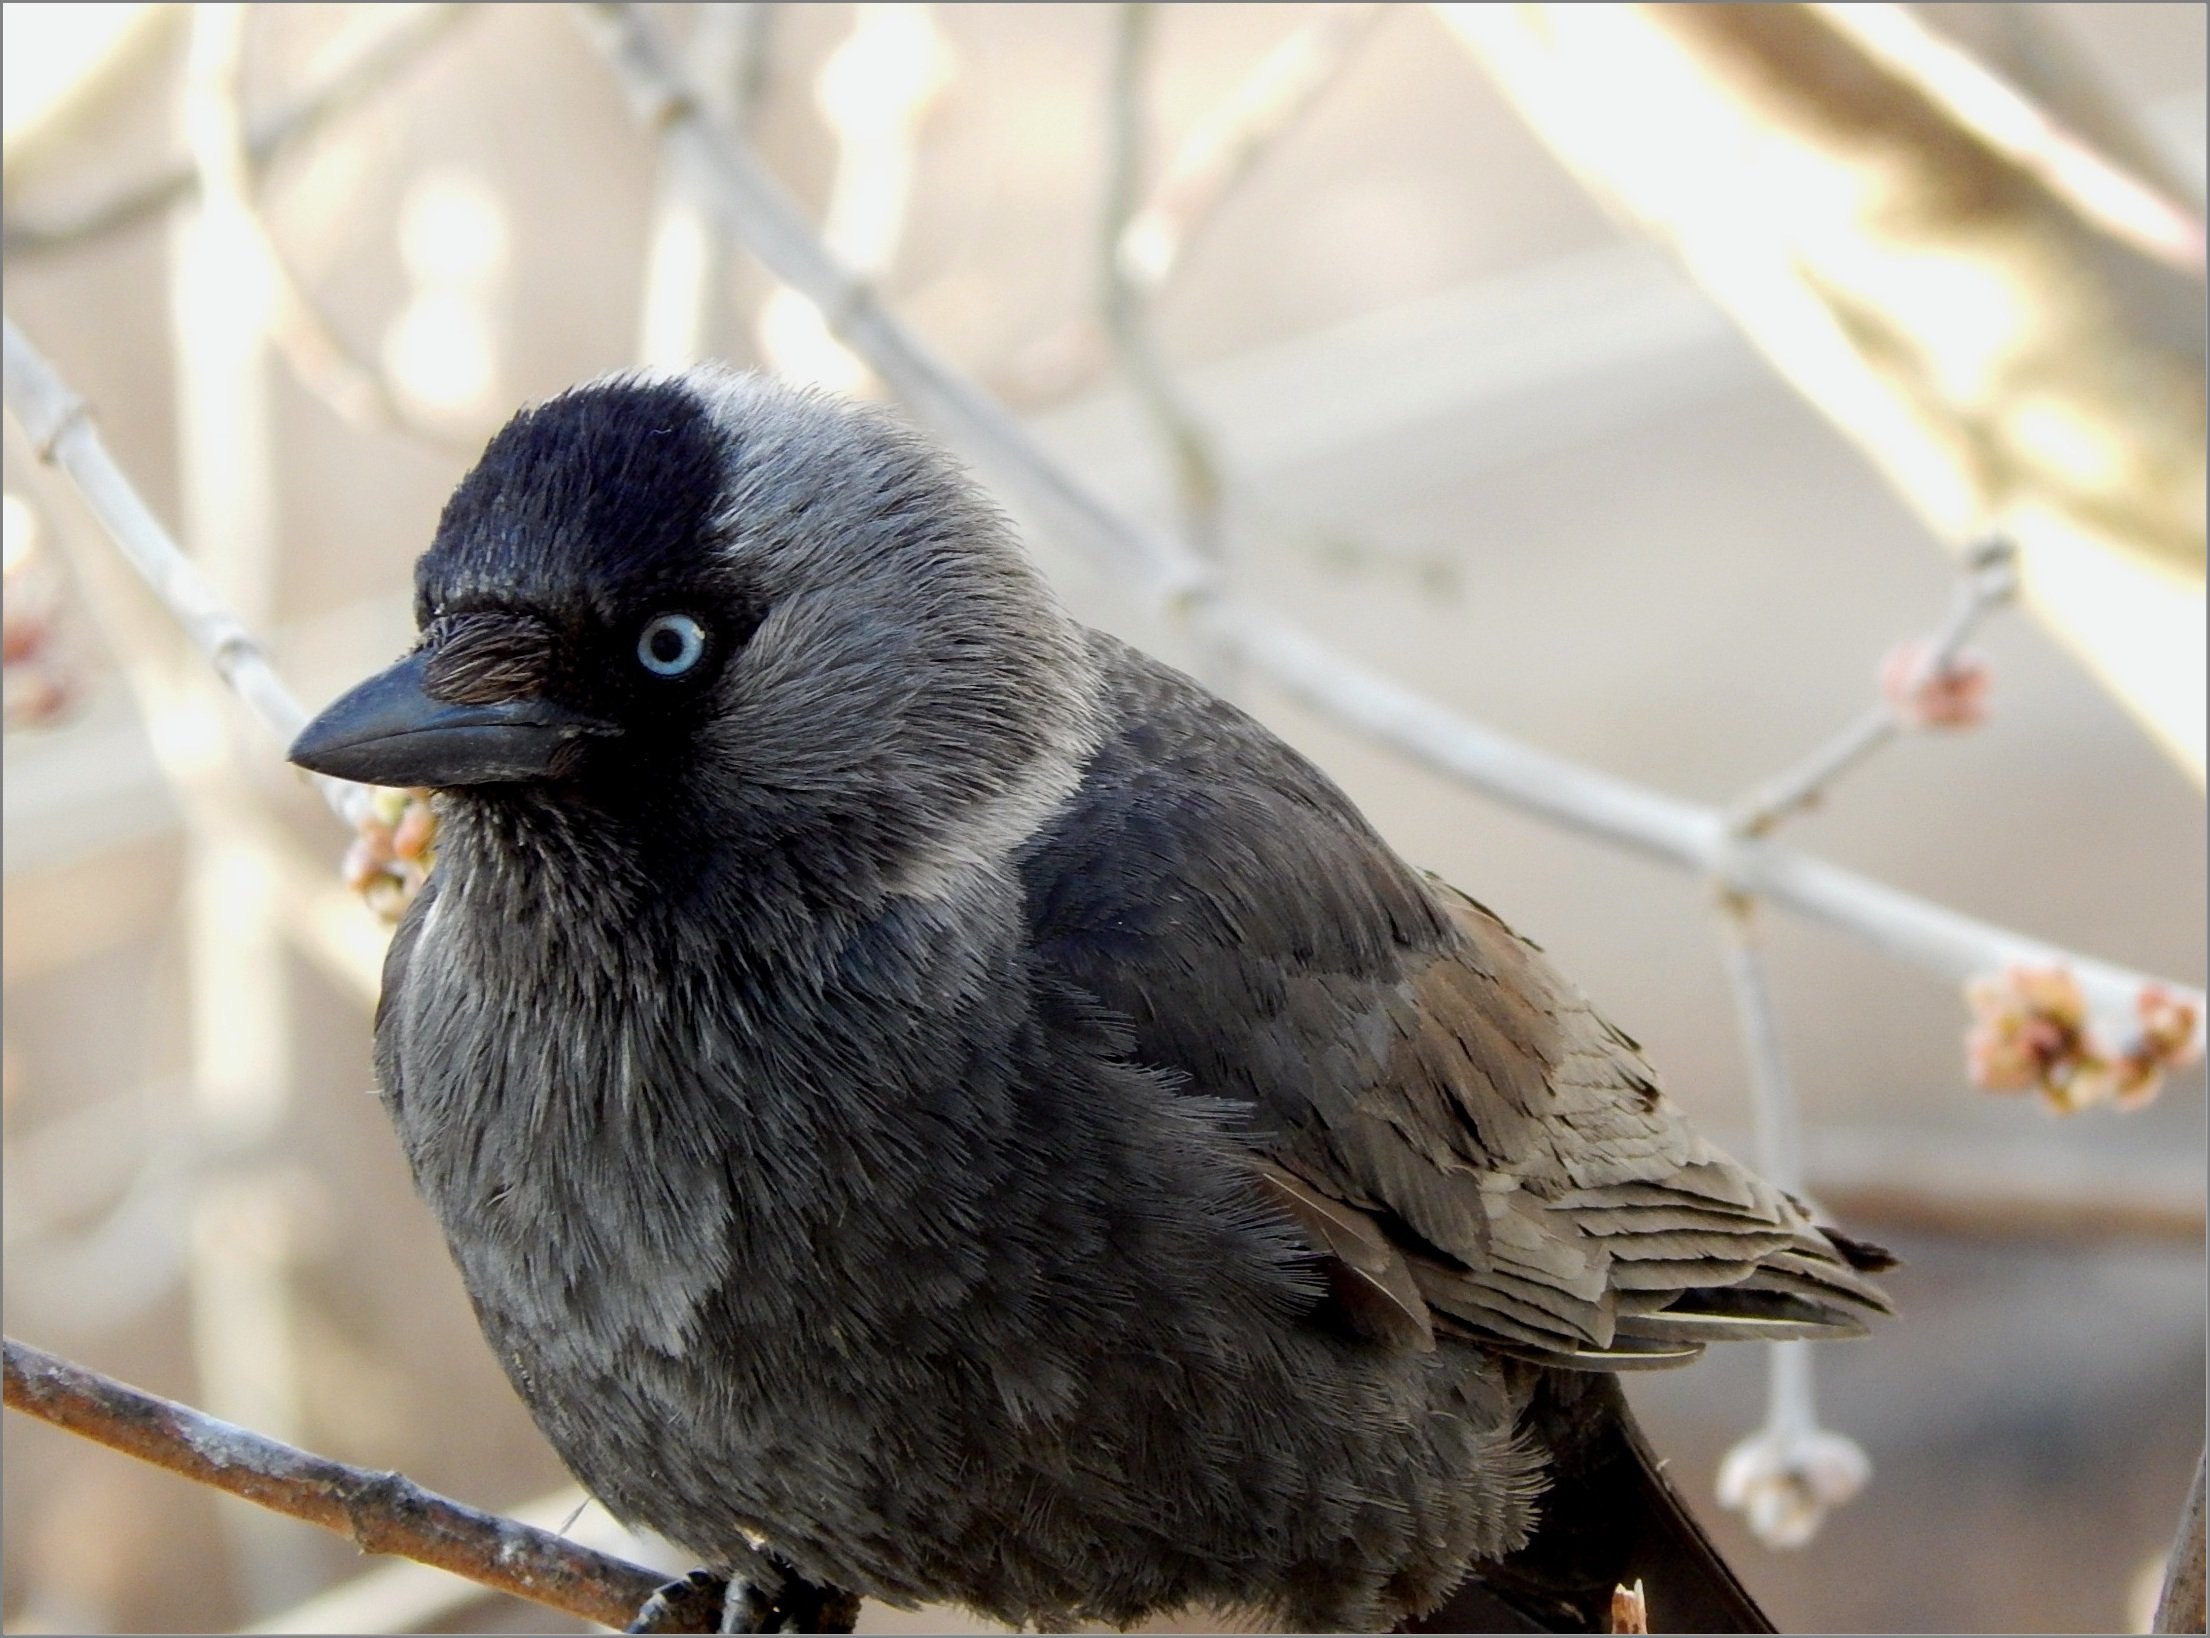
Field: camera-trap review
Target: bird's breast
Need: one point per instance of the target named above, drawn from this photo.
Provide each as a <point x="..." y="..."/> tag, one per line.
<point x="631" y="1151"/>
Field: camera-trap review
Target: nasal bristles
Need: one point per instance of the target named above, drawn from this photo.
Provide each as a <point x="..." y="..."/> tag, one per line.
<point x="480" y="659"/>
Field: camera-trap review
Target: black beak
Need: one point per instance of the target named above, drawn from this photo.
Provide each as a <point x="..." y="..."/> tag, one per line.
<point x="389" y="731"/>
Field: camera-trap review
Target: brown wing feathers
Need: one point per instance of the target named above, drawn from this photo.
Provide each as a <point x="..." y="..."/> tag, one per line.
<point x="1366" y="1274"/>
<point x="1606" y="1233"/>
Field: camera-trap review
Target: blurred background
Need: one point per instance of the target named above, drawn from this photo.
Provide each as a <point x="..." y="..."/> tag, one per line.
<point x="1371" y="339"/>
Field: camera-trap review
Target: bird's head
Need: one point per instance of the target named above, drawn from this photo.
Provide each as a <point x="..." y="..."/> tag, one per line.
<point x="734" y="612"/>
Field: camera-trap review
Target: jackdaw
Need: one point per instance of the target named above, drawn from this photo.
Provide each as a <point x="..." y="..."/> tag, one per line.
<point x="927" y="1098"/>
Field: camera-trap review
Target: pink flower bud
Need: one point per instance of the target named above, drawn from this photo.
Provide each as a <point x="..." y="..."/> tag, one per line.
<point x="1955" y="696"/>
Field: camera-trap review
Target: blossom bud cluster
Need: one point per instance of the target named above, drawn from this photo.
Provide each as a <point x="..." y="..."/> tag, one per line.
<point x="393" y="851"/>
<point x="2031" y="1032"/>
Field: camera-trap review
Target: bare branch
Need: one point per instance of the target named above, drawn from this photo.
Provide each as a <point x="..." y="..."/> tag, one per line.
<point x="2180" y="1609"/>
<point x="381" y="1512"/>
<point x="756" y="211"/>
<point x="395" y="48"/>
<point x="59" y="426"/>
<point x="1910" y="929"/>
<point x="402" y="1596"/>
<point x="1789" y="1474"/>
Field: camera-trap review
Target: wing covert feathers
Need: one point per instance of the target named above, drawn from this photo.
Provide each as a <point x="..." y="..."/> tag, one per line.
<point x="1609" y="1235"/>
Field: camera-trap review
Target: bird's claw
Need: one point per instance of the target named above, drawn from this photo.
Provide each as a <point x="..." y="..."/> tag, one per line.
<point x="693" y="1604"/>
<point x="768" y="1599"/>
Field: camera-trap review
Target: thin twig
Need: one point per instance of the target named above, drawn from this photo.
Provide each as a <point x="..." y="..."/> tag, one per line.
<point x="1792" y="1411"/>
<point x="1791" y="1422"/>
<point x="1231" y="141"/>
<point x="60" y="428"/>
<point x="2008" y="1209"/>
<point x="1990" y="580"/>
<point x="381" y="1512"/>
<point x="1139" y="247"/>
<point x="1774" y="1475"/>
<point x="758" y="212"/>
<point x="1981" y="101"/>
<point x="1225" y="148"/>
<point x="2180" y="1608"/>
<point x="310" y="344"/>
<point x="685" y="283"/>
<point x="1778" y="1123"/>
<point x="1791" y="1397"/>
<point x="1124" y="306"/>
<point x="874" y="91"/>
<point x="395" y="48"/>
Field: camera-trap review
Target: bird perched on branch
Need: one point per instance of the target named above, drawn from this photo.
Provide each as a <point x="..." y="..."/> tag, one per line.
<point x="927" y="1102"/>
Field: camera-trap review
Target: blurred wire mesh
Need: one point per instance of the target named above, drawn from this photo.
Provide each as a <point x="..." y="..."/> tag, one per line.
<point x="303" y="260"/>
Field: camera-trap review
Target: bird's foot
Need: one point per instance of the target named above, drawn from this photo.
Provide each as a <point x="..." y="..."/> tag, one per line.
<point x="766" y="1597"/>
<point x="693" y="1604"/>
<point x="775" y="1598"/>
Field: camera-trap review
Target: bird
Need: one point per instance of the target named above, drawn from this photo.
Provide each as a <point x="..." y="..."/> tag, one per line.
<point x="928" y="1102"/>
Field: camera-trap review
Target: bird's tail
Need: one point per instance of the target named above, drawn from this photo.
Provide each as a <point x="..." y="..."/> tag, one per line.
<point x="1610" y="1518"/>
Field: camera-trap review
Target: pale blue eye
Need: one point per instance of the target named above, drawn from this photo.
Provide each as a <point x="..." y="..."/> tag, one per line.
<point x="670" y="645"/>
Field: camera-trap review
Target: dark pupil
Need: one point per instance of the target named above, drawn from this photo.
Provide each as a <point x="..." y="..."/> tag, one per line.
<point x="667" y="645"/>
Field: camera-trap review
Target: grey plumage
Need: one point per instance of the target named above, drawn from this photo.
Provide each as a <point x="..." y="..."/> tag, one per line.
<point x="930" y="1087"/>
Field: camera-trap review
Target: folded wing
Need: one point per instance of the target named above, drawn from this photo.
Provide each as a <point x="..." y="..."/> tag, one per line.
<point x="1467" y="1145"/>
